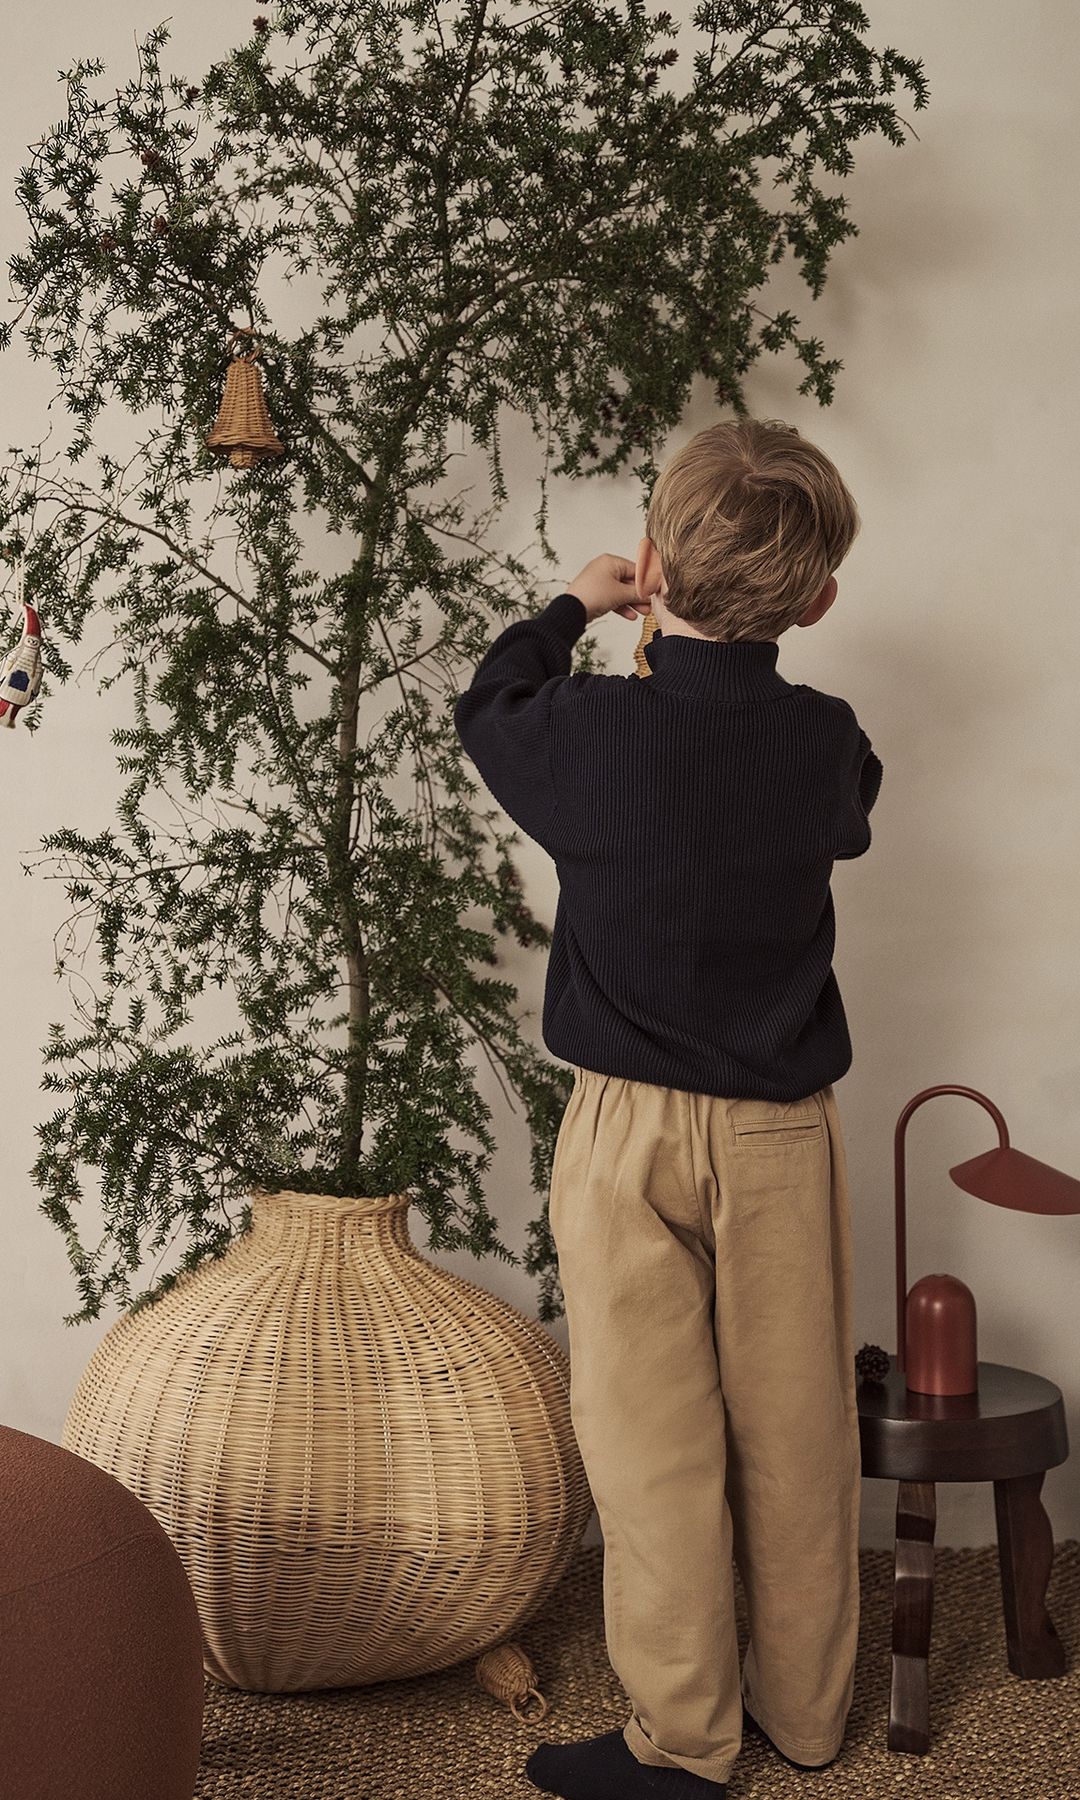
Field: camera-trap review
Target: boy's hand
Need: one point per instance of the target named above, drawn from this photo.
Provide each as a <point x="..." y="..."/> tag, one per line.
<point x="606" y="584"/>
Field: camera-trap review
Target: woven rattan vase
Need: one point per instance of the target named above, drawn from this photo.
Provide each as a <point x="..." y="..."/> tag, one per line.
<point x="366" y="1463"/>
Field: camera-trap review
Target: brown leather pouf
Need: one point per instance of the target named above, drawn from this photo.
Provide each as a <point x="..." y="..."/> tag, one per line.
<point x="101" y="1672"/>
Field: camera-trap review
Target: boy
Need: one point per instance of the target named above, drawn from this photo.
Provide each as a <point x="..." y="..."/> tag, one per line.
<point x="699" y="1202"/>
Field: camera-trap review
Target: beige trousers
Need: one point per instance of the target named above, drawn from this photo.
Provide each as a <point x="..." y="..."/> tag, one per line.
<point x="705" y="1257"/>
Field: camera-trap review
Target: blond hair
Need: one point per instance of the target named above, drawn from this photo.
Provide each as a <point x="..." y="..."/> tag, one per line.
<point x="749" y="520"/>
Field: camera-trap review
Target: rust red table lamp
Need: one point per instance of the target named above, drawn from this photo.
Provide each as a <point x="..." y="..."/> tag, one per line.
<point x="935" y="1323"/>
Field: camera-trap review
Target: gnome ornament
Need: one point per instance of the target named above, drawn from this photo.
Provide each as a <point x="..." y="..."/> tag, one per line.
<point x="20" y="670"/>
<point x="243" y="430"/>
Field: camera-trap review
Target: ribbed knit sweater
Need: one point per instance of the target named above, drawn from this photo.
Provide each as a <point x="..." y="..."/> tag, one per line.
<point x="693" y="817"/>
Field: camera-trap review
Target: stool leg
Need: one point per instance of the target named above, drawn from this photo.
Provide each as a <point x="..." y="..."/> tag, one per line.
<point x="913" y="1605"/>
<point x="1026" y="1553"/>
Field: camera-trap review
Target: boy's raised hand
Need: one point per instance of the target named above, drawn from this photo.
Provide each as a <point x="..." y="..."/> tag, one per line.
<point x="606" y="584"/>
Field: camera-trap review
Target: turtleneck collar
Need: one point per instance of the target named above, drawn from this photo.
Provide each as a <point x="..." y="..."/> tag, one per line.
<point x="716" y="669"/>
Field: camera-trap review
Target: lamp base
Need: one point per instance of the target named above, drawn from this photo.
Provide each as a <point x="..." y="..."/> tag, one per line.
<point x="941" y="1337"/>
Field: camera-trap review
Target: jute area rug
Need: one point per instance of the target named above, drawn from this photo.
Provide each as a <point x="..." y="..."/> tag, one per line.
<point x="442" y="1737"/>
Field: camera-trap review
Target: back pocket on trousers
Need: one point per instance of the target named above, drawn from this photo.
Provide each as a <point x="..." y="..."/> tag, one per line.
<point x="756" y="1124"/>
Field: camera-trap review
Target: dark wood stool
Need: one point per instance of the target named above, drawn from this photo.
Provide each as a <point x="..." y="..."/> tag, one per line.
<point x="1010" y="1433"/>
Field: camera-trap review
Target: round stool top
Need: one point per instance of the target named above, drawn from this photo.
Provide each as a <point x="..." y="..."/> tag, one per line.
<point x="1013" y="1425"/>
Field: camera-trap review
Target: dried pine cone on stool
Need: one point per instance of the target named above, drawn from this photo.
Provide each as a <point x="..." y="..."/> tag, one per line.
<point x="872" y="1362"/>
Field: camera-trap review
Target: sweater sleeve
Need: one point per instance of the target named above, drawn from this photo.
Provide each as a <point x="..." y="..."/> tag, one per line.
<point x="862" y="795"/>
<point x="869" y="774"/>
<point x="503" y="718"/>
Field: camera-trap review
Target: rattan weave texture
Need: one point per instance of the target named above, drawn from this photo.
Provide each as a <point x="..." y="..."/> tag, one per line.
<point x="243" y="427"/>
<point x="648" y="627"/>
<point x="366" y="1462"/>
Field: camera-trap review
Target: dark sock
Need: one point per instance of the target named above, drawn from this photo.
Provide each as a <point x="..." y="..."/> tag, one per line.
<point x="605" y="1768"/>
<point x="750" y="1721"/>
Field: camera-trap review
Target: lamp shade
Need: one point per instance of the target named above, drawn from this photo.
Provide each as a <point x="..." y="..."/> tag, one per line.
<point x="1008" y="1177"/>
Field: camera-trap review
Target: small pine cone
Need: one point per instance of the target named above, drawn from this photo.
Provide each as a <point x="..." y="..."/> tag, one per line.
<point x="872" y="1362"/>
<point x="191" y="94"/>
<point x="261" y="24"/>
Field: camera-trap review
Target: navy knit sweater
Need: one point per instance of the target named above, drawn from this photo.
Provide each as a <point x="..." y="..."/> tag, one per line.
<point x="693" y="818"/>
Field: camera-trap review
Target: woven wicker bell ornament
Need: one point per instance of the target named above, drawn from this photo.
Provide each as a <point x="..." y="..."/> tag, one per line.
<point x="648" y="627"/>
<point x="243" y="430"/>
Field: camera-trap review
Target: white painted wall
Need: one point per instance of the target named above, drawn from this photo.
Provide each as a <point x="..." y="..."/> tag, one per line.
<point x="955" y="637"/>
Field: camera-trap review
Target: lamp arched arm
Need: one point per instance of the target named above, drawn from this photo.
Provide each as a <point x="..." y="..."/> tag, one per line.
<point x="901" y="1197"/>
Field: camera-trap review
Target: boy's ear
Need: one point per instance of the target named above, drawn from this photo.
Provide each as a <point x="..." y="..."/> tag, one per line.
<point x="648" y="571"/>
<point x="819" y="606"/>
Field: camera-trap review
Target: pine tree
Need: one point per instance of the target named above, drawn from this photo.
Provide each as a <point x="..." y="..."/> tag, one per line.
<point x="476" y="212"/>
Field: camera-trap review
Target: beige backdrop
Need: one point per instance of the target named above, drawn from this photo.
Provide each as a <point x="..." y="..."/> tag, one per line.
<point x="955" y="637"/>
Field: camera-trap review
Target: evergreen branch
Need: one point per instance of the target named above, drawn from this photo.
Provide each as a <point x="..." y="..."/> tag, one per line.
<point x="483" y="1038"/>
